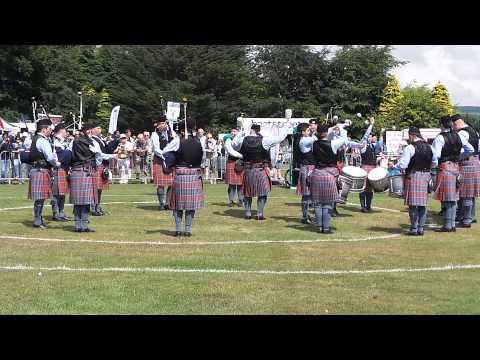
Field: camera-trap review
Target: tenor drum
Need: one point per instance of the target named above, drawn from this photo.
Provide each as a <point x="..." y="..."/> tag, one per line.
<point x="378" y="179"/>
<point x="396" y="186"/>
<point x="351" y="179"/>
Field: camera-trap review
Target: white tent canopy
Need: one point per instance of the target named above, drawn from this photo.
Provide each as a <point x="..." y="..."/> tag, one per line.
<point x="270" y="126"/>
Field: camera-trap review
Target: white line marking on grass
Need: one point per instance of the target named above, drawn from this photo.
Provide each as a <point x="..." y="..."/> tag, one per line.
<point x="234" y="271"/>
<point x="379" y="208"/>
<point x="239" y="242"/>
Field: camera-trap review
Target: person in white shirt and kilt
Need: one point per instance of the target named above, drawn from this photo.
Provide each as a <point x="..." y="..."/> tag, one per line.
<point x="163" y="140"/>
<point x="470" y="173"/>
<point x="447" y="148"/>
<point x="43" y="159"/>
<point x="307" y="165"/>
<point x="187" y="188"/>
<point x="256" y="180"/>
<point x="417" y="160"/>
<point x="233" y="179"/>
<point x="369" y="162"/>
<point x="60" y="186"/>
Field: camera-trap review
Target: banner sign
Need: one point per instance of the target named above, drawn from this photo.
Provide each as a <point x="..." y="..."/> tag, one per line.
<point x="173" y="111"/>
<point x="112" y="126"/>
<point x="271" y="126"/>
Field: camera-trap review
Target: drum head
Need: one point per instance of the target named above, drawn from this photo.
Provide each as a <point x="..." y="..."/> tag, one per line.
<point x="354" y="171"/>
<point x="378" y="173"/>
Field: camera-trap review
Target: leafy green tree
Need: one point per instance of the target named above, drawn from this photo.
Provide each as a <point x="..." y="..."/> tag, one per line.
<point x="441" y="97"/>
<point x="104" y="108"/>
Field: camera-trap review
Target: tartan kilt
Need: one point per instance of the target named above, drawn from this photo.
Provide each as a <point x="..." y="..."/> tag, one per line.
<point x="470" y="184"/>
<point x="60" y="182"/>
<point x="323" y="186"/>
<point x="160" y="178"/>
<point x="187" y="190"/>
<point x="40" y="184"/>
<point x="256" y="181"/>
<point x="232" y="177"/>
<point x="101" y="183"/>
<point x="302" y="186"/>
<point x="416" y="188"/>
<point x="446" y="188"/>
<point x="83" y="187"/>
<point x="368" y="168"/>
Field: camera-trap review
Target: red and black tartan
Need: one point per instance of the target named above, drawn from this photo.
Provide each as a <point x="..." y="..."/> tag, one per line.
<point x="60" y="182"/>
<point x="323" y="186"/>
<point x="470" y="184"/>
<point x="231" y="176"/>
<point x="256" y="180"/>
<point x="159" y="177"/>
<point x="368" y="168"/>
<point x="416" y="188"/>
<point x="102" y="184"/>
<point x="40" y="184"/>
<point x="302" y="185"/>
<point x="187" y="190"/>
<point x="83" y="187"/>
<point x="446" y="188"/>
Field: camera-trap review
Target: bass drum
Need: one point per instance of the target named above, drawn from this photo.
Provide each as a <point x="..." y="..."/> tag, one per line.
<point x="396" y="186"/>
<point x="378" y="179"/>
<point x="351" y="179"/>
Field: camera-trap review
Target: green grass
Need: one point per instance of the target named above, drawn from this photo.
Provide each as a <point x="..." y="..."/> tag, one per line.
<point x="57" y="292"/>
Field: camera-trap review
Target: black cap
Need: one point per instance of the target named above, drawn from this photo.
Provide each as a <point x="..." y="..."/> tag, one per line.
<point x="456" y="117"/>
<point x="312" y="121"/>
<point x="59" y="127"/>
<point x="414" y="131"/>
<point x="255" y="127"/>
<point x="446" y="122"/>
<point x="43" y="123"/>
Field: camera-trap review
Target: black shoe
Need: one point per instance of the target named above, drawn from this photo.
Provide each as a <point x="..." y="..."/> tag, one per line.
<point x="420" y="233"/>
<point x="230" y="204"/>
<point x="474" y="221"/>
<point x="96" y="213"/>
<point x="248" y="217"/>
<point x="100" y="210"/>
<point x="56" y="218"/>
<point x="41" y="226"/>
<point x="88" y="230"/>
<point x="260" y="218"/>
<point x="239" y="204"/>
<point x="445" y="230"/>
<point x="166" y="207"/>
<point x="66" y="218"/>
<point x="369" y="209"/>
<point x="412" y="233"/>
<point x="364" y="210"/>
<point x="78" y="230"/>
<point x="306" y="221"/>
<point x="187" y="234"/>
<point x="466" y="226"/>
<point x="328" y="231"/>
<point x="178" y="233"/>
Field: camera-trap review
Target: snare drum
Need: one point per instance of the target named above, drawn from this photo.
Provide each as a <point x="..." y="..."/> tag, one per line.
<point x="351" y="179"/>
<point x="396" y="186"/>
<point x="378" y="179"/>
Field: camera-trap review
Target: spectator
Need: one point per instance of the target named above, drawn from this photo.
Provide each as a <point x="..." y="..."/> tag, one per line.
<point x="211" y="159"/>
<point x="203" y="141"/>
<point x="5" y="149"/>
<point x="142" y="148"/>
<point x="124" y="150"/>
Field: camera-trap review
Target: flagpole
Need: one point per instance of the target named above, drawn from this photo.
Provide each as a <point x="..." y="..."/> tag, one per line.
<point x="185" y="115"/>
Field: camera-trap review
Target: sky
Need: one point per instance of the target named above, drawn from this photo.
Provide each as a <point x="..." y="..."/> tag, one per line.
<point x="455" y="66"/>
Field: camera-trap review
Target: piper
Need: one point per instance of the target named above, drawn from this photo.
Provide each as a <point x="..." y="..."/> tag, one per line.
<point x="233" y="178"/>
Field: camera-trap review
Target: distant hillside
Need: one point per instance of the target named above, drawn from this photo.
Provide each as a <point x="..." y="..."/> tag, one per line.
<point x="469" y="109"/>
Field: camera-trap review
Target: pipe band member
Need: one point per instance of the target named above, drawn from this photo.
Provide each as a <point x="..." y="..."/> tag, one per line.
<point x="369" y="162"/>
<point x="60" y="186"/>
<point x="43" y="159"/>
<point x="83" y="178"/>
<point x="256" y="179"/>
<point x="323" y="179"/>
<point x="447" y="147"/>
<point x="187" y="188"/>
<point x="164" y="141"/>
<point x="469" y="171"/>
<point x="102" y="156"/>
<point x="417" y="160"/>
<point x="233" y="179"/>
<point x="307" y="165"/>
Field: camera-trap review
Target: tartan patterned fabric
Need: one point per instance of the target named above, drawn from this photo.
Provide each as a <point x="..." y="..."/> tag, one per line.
<point x="101" y="183"/>
<point x="256" y="181"/>
<point x="302" y="186"/>
<point x="60" y="182"/>
<point x="83" y="189"/>
<point x="231" y="177"/>
<point x="323" y="186"/>
<point x="470" y="171"/>
<point x="368" y="168"/>
<point x="160" y="178"/>
<point x="187" y="190"/>
<point x="447" y="182"/>
<point x="40" y="184"/>
<point x="416" y="188"/>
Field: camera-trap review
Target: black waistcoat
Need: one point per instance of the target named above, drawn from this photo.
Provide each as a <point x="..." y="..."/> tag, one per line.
<point x="81" y="153"/>
<point x="369" y="157"/>
<point x="253" y="151"/>
<point x="190" y="153"/>
<point x="323" y="154"/>
<point x="472" y="138"/>
<point x="37" y="157"/>
<point x="452" y="148"/>
<point x="422" y="159"/>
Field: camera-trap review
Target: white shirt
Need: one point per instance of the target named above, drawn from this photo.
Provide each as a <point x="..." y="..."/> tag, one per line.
<point x="439" y="142"/>
<point x="407" y="155"/>
<point x="267" y="141"/>
<point x="99" y="155"/>
<point x="173" y="145"/>
<point x="230" y="150"/>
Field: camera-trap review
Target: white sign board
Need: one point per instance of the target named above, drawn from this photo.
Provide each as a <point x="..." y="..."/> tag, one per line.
<point x="112" y="126"/>
<point x="395" y="141"/>
<point x="270" y="126"/>
<point x="173" y="111"/>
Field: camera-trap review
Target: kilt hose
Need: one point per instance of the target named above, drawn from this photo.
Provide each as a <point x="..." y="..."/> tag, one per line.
<point x="416" y="188"/>
<point x="40" y="184"/>
<point x="187" y="190"/>
<point x="256" y="181"/>
<point x="446" y="188"/>
<point x="470" y="184"/>
<point x="101" y="183"/>
<point x="368" y="168"/>
<point x="323" y="186"/>
<point x="302" y="186"/>
<point x="160" y="178"/>
<point x="60" y="182"/>
<point x="83" y="187"/>
<point x="231" y="176"/>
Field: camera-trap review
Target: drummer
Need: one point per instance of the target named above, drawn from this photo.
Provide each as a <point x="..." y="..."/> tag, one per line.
<point x="369" y="162"/>
<point x="447" y="147"/>
<point x="417" y="160"/>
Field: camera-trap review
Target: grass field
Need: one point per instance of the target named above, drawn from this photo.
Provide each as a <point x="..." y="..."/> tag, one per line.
<point x="133" y="264"/>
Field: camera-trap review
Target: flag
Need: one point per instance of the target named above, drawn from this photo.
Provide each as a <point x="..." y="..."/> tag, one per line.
<point x="112" y="126"/>
<point x="173" y="111"/>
